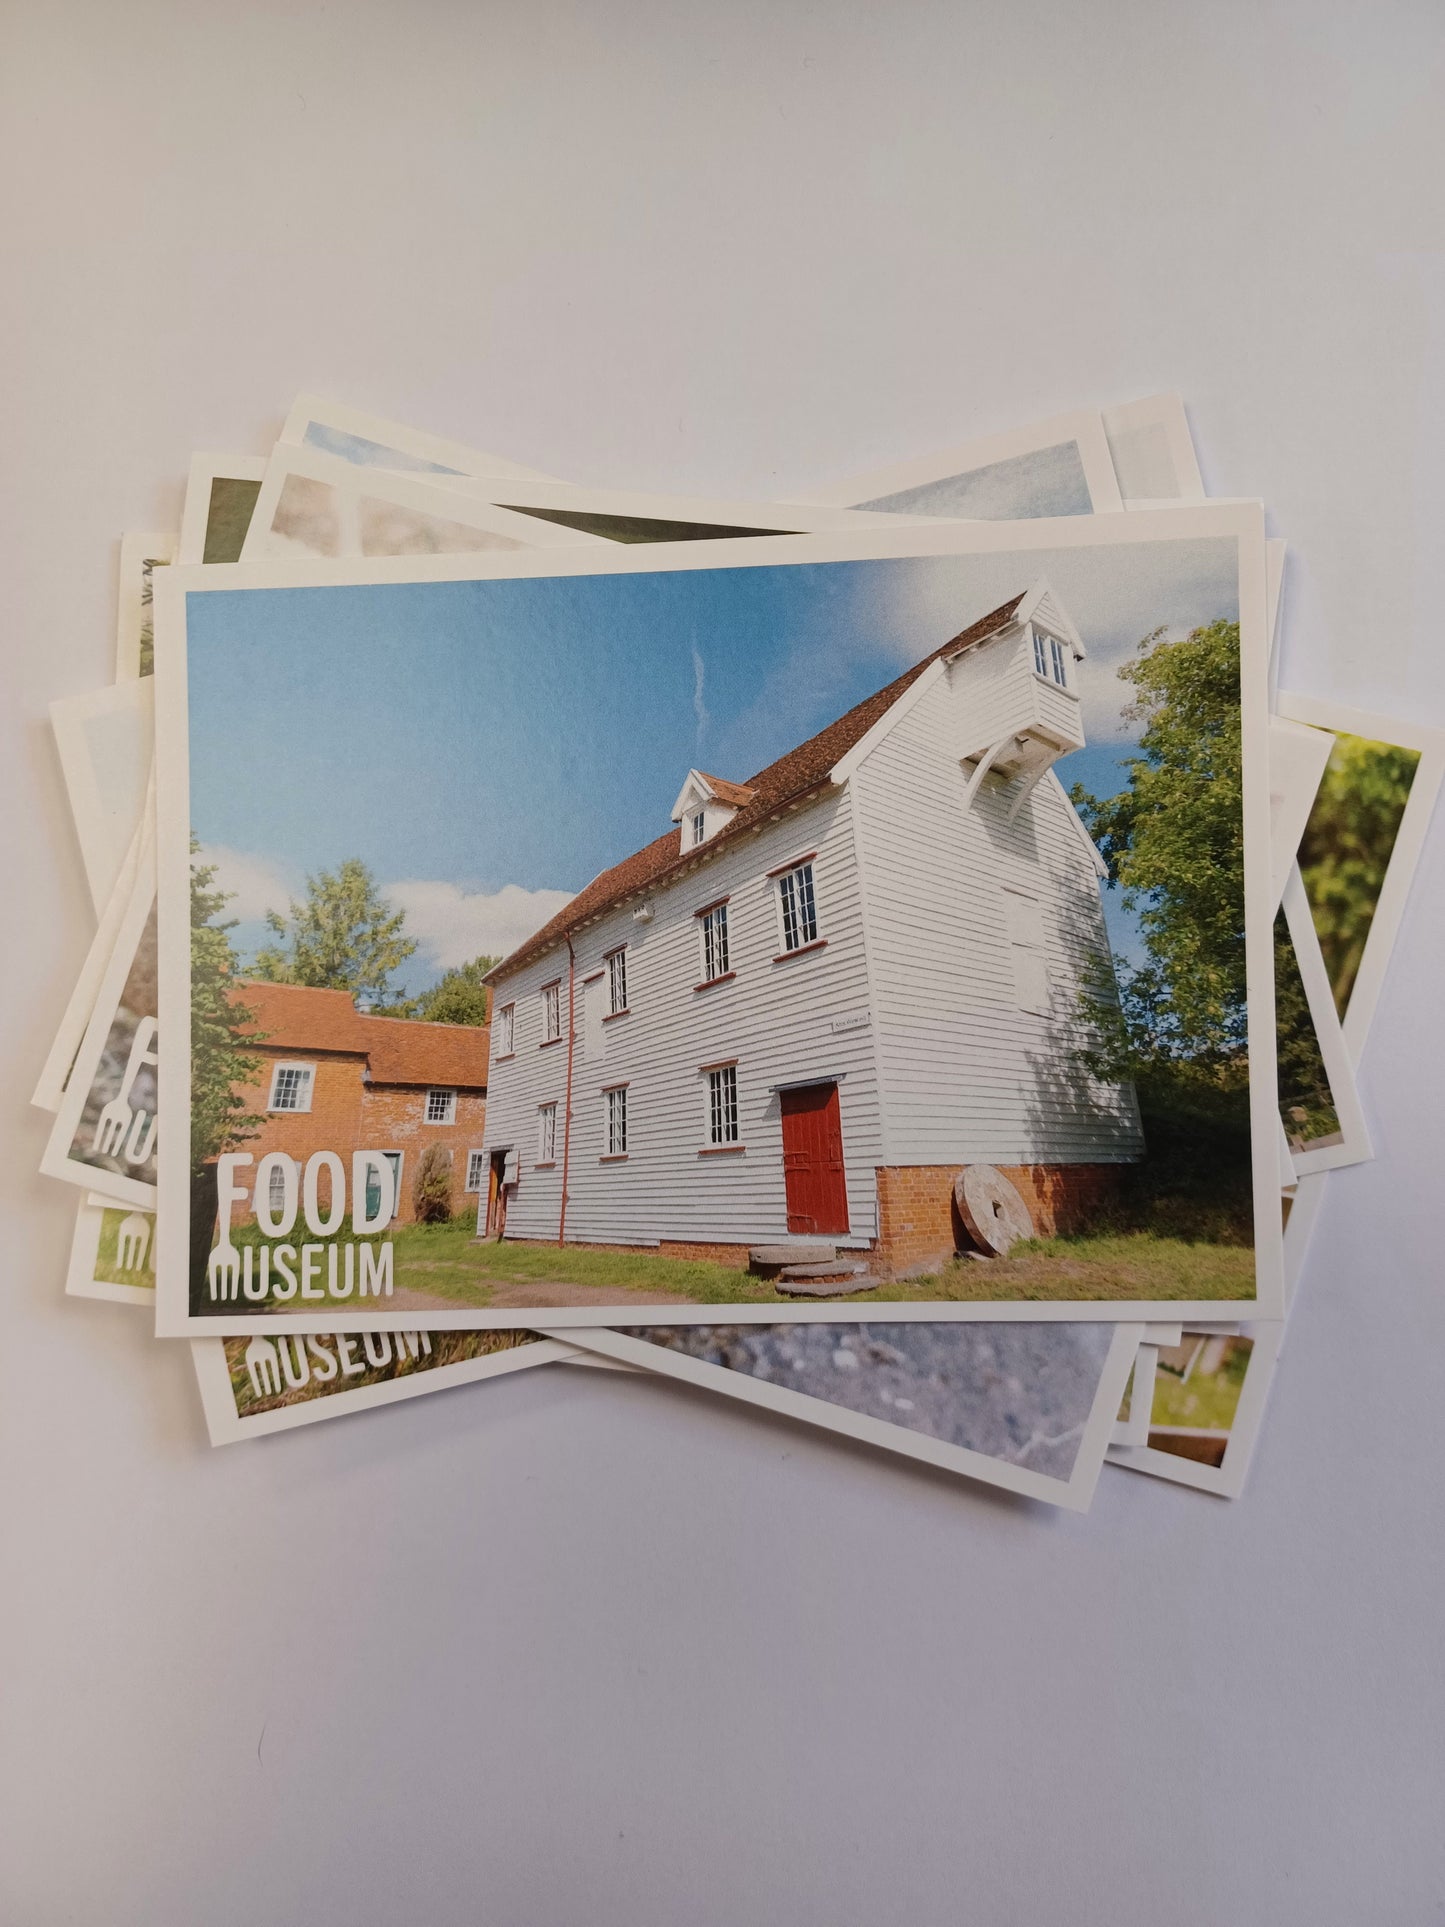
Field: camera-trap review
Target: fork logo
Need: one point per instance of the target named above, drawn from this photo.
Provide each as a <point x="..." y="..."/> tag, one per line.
<point x="121" y="1131"/>
<point x="264" y="1367"/>
<point x="132" y="1241"/>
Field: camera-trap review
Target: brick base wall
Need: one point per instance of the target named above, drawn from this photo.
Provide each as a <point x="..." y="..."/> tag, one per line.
<point x="919" y="1226"/>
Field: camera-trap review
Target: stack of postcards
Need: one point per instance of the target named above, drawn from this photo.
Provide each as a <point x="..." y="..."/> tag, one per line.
<point x="535" y="923"/>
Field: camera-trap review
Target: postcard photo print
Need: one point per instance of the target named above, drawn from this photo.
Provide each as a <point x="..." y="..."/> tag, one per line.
<point x="778" y="1054"/>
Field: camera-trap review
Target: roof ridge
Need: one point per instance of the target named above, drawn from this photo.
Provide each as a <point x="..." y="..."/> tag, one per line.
<point x="787" y="779"/>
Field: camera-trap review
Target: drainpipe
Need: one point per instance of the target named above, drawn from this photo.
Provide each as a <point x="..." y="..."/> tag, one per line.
<point x="567" y="1104"/>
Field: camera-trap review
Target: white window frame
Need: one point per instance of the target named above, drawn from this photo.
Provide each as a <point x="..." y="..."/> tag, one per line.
<point x="547" y="1132"/>
<point x="277" y="1180"/>
<point x="476" y="1170"/>
<point x="1058" y="662"/>
<point x="614" y="1121"/>
<point x="309" y="1086"/>
<point x="449" y="1108"/>
<point x="616" y="961"/>
<point x="1041" y="654"/>
<point x="552" y="1009"/>
<point x="783" y="878"/>
<point x="507" y="1023"/>
<point x="724" y="1115"/>
<point x="699" y="827"/>
<point x="714" y="937"/>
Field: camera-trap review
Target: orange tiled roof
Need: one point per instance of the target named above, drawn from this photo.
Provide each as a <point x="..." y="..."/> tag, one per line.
<point x="398" y="1050"/>
<point x="789" y="780"/>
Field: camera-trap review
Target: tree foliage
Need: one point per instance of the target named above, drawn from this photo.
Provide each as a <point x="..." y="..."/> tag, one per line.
<point x="1347" y="845"/>
<point x="1306" y="1103"/>
<point x="431" y="1192"/>
<point x="344" y="936"/>
<point x="220" y="1065"/>
<point x="1173" y="842"/>
<point x="460" y="997"/>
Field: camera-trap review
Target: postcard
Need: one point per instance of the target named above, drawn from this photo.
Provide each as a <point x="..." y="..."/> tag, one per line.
<point x="632" y="515"/>
<point x="782" y="1189"/>
<point x="1054" y="468"/>
<point x="220" y="498"/>
<point x="1208" y="1403"/>
<point x="50" y="1087"/>
<point x="112" y="1255"/>
<point x="104" y="1134"/>
<point x="320" y="505"/>
<point x="1361" y="843"/>
<point x="1152" y="451"/>
<point x="370" y="441"/>
<point x="1319" y="1103"/>
<point x="279" y="1380"/>
<point x="1131" y="1427"/>
<point x="1297" y="758"/>
<point x="1027" y="1407"/>
<point x="140" y="557"/>
<point x="106" y="742"/>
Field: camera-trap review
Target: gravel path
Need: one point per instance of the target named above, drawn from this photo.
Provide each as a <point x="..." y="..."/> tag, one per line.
<point x="1021" y="1393"/>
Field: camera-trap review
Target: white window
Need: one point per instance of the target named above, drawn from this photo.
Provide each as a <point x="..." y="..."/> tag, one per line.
<point x="476" y="1169"/>
<point x="506" y="1020"/>
<point x="291" y="1087"/>
<point x="616" y="1101"/>
<point x="1041" y="653"/>
<point x="276" y="1193"/>
<point x="551" y="1013"/>
<point x="617" y="982"/>
<point x="1025" y="925"/>
<point x="699" y="826"/>
<point x="546" y="1133"/>
<point x="722" y="1105"/>
<point x="1057" y="662"/>
<point x="800" y="913"/>
<point x="714" y="942"/>
<point x="441" y="1107"/>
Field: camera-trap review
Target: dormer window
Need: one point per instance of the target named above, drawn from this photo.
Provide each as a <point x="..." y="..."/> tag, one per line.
<point x="699" y="826"/>
<point x="1051" y="660"/>
<point x="705" y="805"/>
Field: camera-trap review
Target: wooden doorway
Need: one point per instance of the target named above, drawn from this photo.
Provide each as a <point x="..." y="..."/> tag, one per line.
<point x="817" y="1188"/>
<point x="496" y="1195"/>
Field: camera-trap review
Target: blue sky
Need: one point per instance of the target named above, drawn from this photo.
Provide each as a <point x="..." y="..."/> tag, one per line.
<point x="1045" y="481"/>
<point x="488" y="747"/>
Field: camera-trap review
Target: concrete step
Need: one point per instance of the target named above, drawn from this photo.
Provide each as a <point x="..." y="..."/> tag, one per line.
<point x="834" y="1287"/>
<point x="767" y="1257"/>
<point x="834" y="1268"/>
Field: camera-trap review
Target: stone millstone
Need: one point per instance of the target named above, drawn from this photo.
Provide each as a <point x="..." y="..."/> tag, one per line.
<point x="834" y="1268"/>
<point x="765" y="1257"/>
<point x="996" y="1215"/>
<point x="833" y="1287"/>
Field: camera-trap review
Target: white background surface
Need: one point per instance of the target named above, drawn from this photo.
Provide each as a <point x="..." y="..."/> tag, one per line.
<point x="567" y="1648"/>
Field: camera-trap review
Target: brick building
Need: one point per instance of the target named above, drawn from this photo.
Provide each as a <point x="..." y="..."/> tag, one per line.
<point x="334" y="1079"/>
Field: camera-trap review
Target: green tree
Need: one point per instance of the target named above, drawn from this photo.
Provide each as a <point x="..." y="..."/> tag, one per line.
<point x="220" y="1065"/>
<point x="431" y="1192"/>
<point x="1347" y="845"/>
<point x="1173" y="843"/>
<point x="1306" y="1103"/>
<point x="460" y="997"/>
<point x="345" y="936"/>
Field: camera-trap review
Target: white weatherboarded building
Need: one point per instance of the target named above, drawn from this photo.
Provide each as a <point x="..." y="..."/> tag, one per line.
<point x="801" y="1012"/>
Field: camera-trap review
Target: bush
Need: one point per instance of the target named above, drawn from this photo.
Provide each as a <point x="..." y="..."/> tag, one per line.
<point x="431" y="1193"/>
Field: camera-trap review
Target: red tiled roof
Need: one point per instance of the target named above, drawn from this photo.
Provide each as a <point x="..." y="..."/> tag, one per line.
<point x="398" y="1050"/>
<point x="787" y="781"/>
<point x="737" y="794"/>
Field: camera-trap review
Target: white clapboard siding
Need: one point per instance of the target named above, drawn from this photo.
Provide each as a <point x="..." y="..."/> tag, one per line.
<point x="966" y="1074"/>
<point x="775" y="1018"/>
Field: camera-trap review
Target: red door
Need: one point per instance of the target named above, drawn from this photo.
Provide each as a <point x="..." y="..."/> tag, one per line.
<point x="813" y="1161"/>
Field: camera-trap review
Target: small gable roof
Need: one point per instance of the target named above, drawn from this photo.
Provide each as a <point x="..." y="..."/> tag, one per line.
<point x="786" y="782"/>
<point x="397" y="1050"/>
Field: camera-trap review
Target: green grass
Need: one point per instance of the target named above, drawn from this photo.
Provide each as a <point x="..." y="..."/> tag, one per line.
<point x="1205" y="1401"/>
<point x="446" y="1261"/>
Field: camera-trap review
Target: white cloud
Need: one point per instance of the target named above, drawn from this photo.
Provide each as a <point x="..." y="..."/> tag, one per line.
<point x="253" y="883"/>
<point x="453" y="925"/>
